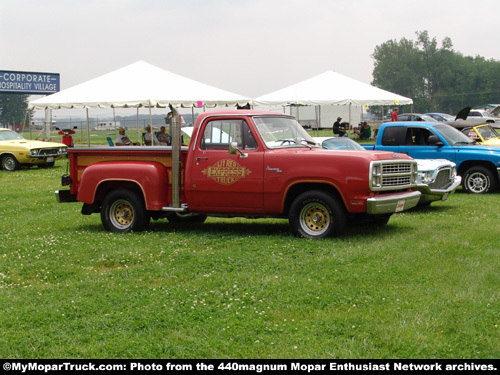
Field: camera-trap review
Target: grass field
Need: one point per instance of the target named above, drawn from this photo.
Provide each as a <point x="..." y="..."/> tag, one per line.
<point x="425" y="286"/>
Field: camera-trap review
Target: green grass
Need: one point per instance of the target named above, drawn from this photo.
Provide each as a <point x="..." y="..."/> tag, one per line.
<point x="425" y="286"/>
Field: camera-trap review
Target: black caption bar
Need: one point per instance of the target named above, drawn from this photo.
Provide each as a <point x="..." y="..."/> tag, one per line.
<point x="229" y="366"/>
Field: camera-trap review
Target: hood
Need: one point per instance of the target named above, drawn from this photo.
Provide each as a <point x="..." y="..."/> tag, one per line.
<point x="492" y="142"/>
<point x="32" y="144"/>
<point x="369" y="154"/>
<point x="432" y="164"/>
<point x="463" y="113"/>
<point x="481" y="148"/>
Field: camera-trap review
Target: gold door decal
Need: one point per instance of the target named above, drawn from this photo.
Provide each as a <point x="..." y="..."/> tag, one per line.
<point x="226" y="172"/>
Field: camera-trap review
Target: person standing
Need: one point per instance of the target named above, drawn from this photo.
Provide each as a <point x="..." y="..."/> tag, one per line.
<point x="394" y="116"/>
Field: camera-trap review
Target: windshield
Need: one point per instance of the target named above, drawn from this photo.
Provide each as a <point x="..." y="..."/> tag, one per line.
<point x="341" y="143"/>
<point x="282" y="132"/>
<point x="9" y="135"/>
<point x="453" y="136"/>
<point x="487" y="132"/>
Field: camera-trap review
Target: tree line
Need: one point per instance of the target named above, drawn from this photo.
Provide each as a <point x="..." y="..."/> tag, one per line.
<point x="14" y="109"/>
<point x="437" y="78"/>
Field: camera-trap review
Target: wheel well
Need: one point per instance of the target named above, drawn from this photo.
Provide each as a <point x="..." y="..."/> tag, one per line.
<point x="298" y="189"/>
<point x="7" y="154"/>
<point x="468" y="164"/>
<point x="108" y="186"/>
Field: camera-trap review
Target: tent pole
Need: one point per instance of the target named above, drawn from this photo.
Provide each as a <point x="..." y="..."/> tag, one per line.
<point x="114" y="120"/>
<point x="151" y="125"/>
<point x="319" y="124"/>
<point x="88" y="127"/>
<point x="47" y="123"/>
<point x="137" y="123"/>
<point x="350" y="125"/>
<point x="316" y="113"/>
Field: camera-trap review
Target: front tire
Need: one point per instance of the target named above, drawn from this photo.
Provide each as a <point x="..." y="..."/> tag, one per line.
<point x="124" y="211"/>
<point x="316" y="214"/>
<point x="10" y="163"/>
<point x="479" y="180"/>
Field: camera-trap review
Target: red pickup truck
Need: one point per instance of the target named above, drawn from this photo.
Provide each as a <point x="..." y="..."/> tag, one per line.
<point x="240" y="164"/>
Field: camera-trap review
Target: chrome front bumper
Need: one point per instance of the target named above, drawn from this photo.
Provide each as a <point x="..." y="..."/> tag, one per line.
<point x="431" y="195"/>
<point x="393" y="203"/>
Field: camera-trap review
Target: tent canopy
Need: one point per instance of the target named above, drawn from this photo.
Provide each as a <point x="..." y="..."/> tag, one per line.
<point x="331" y="88"/>
<point x="139" y="85"/>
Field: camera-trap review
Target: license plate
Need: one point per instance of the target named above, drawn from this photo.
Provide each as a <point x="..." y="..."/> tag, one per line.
<point x="50" y="159"/>
<point x="401" y="205"/>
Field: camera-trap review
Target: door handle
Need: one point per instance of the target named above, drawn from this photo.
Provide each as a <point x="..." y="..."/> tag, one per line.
<point x="198" y="158"/>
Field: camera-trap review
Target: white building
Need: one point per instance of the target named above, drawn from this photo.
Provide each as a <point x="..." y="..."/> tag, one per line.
<point x="107" y="125"/>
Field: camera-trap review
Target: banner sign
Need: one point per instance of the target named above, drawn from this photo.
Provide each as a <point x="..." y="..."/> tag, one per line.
<point x="29" y="82"/>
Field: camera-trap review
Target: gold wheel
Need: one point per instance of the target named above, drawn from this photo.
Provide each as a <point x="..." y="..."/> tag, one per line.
<point x="315" y="218"/>
<point x="123" y="211"/>
<point x="122" y="214"/>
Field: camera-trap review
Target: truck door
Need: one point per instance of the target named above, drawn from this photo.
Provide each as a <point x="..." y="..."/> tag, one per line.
<point x="221" y="181"/>
<point x="416" y="144"/>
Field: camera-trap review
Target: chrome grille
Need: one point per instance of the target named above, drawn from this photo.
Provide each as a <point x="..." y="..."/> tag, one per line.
<point x="394" y="181"/>
<point x="442" y="180"/>
<point x="48" y="151"/>
<point x="393" y="175"/>
<point x="396" y="168"/>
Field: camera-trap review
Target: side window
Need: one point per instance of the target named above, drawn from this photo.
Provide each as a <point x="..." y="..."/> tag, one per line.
<point x="393" y="135"/>
<point x="417" y="137"/>
<point x="218" y="134"/>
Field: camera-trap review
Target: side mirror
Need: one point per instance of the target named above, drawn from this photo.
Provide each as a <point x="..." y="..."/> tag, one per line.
<point x="435" y="141"/>
<point x="233" y="149"/>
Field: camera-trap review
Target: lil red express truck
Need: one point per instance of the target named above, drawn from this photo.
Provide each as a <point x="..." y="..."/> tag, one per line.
<point x="240" y="164"/>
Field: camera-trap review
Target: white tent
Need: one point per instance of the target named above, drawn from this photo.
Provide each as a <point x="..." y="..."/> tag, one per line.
<point x="332" y="95"/>
<point x="139" y="85"/>
<point x="331" y="88"/>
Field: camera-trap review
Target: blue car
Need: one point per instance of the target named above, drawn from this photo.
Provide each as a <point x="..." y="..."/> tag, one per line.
<point x="441" y="117"/>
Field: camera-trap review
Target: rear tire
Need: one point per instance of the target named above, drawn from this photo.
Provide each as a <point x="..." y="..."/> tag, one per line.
<point x="124" y="211"/>
<point x="316" y="214"/>
<point x="479" y="180"/>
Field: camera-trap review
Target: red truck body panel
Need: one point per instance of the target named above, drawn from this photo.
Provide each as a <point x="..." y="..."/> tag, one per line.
<point x="260" y="177"/>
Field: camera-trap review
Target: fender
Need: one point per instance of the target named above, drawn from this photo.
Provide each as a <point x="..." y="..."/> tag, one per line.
<point x="149" y="178"/>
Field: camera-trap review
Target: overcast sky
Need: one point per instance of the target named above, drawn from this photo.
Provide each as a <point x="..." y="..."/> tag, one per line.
<point x="247" y="47"/>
